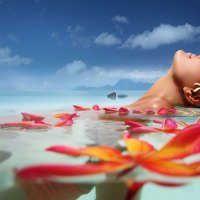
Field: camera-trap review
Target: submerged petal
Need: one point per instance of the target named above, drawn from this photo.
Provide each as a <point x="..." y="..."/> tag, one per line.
<point x="52" y="170"/>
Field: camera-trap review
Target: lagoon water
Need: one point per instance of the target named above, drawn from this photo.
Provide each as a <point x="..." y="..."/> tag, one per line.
<point x="19" y="148"/>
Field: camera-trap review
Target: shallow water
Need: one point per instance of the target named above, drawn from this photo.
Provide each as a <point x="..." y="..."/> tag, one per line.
<point x="19" y="148"/>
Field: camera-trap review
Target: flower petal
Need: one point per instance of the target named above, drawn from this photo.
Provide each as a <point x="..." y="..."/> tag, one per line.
<point x="65" y="115"/>
<point x="168" y="167"/>
<point x="37" y="126"/>
<point x="169" y="124"/>
<point x="50" y="170"/>
<point x="31" y="117"/>
<point x="110" y="110"/>
<point x="123" y="109"/>
<point x="185" y="143"/>
<point x="96" y="107"/>
<point x="134" y="124"/>
<point x="105" y="153"/>
<point x="80" y="108"/>
<point x="136" y="146"/>
<point x="142" y="129"/>
<point x="16" y="124"/>
<point x="65" y="122"/>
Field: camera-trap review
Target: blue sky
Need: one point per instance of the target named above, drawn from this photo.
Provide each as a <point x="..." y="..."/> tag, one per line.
<point x="61" y="44"/>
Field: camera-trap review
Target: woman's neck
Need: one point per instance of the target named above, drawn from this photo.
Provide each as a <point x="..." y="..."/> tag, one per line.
<point x="165" y="93"/>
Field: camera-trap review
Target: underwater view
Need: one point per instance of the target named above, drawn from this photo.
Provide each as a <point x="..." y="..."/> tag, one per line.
<point x="85" y="145"/>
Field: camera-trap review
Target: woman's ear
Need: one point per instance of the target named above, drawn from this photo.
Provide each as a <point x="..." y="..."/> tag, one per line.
<point x="191" y="96"/>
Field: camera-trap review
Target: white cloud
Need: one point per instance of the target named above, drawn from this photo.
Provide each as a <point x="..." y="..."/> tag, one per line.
<point x="71" y="68"/>
<point x="107" y="39"/>
<point x="77" y="73"/>
<point x="77" y="36"/>
<point x="120" y="19"/>
<point x="7" y="59"/>
<point x="136" y="74"/>
<point x="162" y="35"/>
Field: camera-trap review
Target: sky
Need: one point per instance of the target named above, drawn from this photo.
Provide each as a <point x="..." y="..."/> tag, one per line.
<point x="62" y="44"/>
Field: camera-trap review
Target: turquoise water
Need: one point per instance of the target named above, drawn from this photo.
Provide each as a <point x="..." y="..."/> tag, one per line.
<point x="61" y="99"/>
<point x="19" y="148"/>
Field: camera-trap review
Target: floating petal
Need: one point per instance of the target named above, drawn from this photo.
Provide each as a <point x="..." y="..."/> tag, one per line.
<point x="134" y="124"/>
<point x="105" y="153"/>
<point x="142" y="129"/>
<point x="185" y="143"/>
<point x="96" y="107"/>
<point x="65" y="122"/>
<point x="31" y="117"/>
<point x="123" y="109"/>
<point x="136" y="146"/>
<point x="80" y="108"/>
<point x="169" y="125"/>
<point x="168" y="167"/>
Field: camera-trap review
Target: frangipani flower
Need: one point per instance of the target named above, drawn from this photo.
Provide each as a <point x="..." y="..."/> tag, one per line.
<point x="138" y="153"/>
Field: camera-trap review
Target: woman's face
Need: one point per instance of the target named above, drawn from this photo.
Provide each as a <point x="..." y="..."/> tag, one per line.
<point x="186" y="68"/>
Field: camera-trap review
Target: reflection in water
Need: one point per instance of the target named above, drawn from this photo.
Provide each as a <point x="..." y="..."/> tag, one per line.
<point x="71" y="191"/>
<point x="54" y="191"/>
<point x="4" y="155"/>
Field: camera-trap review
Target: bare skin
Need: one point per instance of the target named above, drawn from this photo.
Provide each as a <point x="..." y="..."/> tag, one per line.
<point x="175" y="88"/>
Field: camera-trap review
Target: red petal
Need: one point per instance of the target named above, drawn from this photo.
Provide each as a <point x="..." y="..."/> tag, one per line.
<point x="134" y="124"/>
<point x="166" y="112"/>
<point x="96" y="107"/>
<point x="31" y="117"/>
<point x="110" y="110"/>
<point x="185" y="143"/>
<point x="16" y="124"/>
<point x="50" y="170"/>
<point x="80" y="108"/>
<point x="36" y="126"/>
<point x="65" y="122"/>
<point x="123" y="109"/>
<point x="169" y="124"/>
<point x="102" y="152"/>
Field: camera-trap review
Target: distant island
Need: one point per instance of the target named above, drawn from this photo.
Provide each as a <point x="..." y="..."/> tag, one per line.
<point x="122" y="84"/>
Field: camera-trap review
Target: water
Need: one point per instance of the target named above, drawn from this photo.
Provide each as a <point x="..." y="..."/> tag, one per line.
<point x="19" y="148"/>
<point x="61" y="99"/>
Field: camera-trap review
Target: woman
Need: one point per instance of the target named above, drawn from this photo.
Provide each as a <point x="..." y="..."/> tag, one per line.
<point x="176" y="88"/>
<point x="179" y="87"/>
